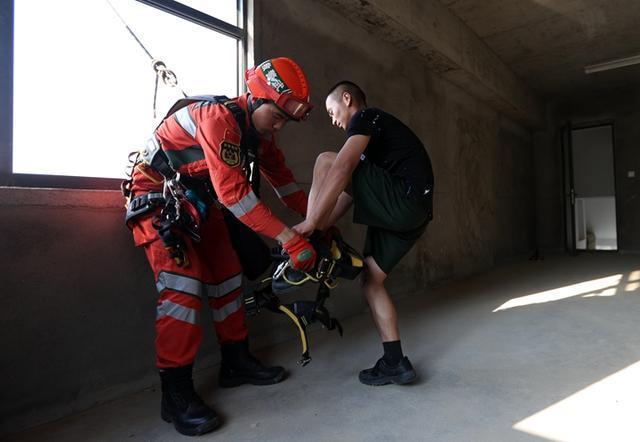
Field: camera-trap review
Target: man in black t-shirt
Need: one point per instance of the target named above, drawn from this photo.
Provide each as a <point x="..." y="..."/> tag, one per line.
<point x="391" y="184"/>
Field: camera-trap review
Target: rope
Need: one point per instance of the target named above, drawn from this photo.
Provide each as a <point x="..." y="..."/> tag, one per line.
<point x="167" y="76"/>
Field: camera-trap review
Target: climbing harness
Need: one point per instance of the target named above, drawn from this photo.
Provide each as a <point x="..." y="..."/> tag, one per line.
<point x="184" y="201"/>
<point x="336" y="259"/>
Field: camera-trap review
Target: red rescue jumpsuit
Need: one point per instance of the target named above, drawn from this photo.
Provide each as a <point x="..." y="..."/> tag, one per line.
<point x="203" y="139"/>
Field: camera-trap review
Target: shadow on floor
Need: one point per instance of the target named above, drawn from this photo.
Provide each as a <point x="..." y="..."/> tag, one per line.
<point x="485" y="373"/>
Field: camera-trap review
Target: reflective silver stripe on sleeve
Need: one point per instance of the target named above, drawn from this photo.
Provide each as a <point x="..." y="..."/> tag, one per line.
<point x="245" y="205"/>
<point x="177" y="311"/>
<point x="288" y="189"/>
<point x="179" y="283"/>
<point x="150" y="148"/>
<point x="225" y="287"/>
<point x="221" y="313"/>
<point x="183" y="117"/>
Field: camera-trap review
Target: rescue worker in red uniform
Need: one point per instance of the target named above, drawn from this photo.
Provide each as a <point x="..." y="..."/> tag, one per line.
<point x="203" y="142"/>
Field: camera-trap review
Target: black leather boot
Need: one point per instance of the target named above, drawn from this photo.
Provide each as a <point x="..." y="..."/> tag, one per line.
<point x="182" y="406"/>
<point x="241" y="367"/>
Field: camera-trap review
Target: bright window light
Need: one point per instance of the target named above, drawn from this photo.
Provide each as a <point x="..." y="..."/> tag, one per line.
<point x="225" y="10"/>
<point x="83" y="88"/>
<point x="601" y="287"/>
<point x="605" y="411"/>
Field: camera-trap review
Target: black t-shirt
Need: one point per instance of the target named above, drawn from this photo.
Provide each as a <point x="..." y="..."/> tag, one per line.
<point x="394" y="147"/>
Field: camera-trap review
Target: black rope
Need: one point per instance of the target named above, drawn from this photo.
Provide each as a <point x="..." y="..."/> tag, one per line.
<point x="129" y="29"/>
<point x="168" y="77"/>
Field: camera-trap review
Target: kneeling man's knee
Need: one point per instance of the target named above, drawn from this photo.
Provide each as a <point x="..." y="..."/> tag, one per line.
<point x="326" y="159"/>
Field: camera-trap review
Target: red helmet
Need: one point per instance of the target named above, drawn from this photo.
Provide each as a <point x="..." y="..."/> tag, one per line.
<point x="282" y="81"/>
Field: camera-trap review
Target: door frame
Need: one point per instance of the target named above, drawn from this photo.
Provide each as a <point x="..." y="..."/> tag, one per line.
<point x="569" y="194"/>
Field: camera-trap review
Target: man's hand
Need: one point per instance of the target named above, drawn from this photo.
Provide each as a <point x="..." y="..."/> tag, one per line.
<point x="301" y="253"/>
<point x="305" y="228"/>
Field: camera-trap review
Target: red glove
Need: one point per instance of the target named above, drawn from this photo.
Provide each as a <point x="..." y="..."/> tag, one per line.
<point x="301" y="253"/>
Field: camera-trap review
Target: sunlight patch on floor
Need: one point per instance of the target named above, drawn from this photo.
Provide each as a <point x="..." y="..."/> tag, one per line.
<point x="604" y="411"/>
<point x="611" y="291"/>
<point x="632" y="287"/>
<point x="601" y="285"/>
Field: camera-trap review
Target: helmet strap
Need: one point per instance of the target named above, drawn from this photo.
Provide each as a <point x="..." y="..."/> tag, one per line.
<point x="251" y="107"/>
<point x="255" y="103"/>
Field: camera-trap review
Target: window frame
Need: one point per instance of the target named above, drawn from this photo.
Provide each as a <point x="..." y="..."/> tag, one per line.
<point x="10" y="179"/>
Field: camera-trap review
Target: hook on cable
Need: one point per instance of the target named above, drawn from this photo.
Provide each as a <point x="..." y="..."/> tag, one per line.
<point x="167" y="75"/>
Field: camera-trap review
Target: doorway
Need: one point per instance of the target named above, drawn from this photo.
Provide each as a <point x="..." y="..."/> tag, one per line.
<point x="590" y="187"/>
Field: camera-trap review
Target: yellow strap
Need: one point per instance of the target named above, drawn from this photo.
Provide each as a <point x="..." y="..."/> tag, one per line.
<point x="331" y="283"/>
<point x="356" y="262"/>
<point x="143" y="170"/>
<point x="294" y="318"/>
<point x="308" y="277"/>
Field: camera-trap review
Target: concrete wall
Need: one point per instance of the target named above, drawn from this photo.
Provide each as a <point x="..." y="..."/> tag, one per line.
<point x="79" y="306"/>
<point x="548" y="185"/>
<point x="482" y="161"/>
<point x="620" y="106"/>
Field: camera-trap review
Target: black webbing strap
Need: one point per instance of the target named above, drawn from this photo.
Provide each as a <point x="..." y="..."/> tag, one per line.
<point x="143" y="204"/>
<point x="248" y="142"/>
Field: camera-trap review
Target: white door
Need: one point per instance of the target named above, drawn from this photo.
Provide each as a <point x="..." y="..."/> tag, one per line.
<point x="594" y="188"/>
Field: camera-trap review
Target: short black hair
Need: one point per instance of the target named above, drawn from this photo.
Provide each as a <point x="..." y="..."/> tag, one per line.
<point x="349" y="86"/>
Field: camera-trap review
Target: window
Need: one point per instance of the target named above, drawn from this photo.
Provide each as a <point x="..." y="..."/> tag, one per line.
<point x="83" y="87"/>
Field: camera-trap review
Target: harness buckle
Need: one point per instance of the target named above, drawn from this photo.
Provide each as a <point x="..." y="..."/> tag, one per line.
<point x="143" y="204"/>
<point x="324" y="268"/>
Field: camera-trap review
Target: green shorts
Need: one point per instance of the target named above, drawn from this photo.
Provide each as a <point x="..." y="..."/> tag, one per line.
<point x="395" y="220"/>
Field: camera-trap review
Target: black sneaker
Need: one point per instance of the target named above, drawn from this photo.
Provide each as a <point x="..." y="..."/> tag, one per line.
<point x="383" y="374"/>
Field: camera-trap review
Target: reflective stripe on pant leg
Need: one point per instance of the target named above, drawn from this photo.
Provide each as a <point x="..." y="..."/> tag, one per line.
<point x="176" y="311"/>
<point x="223" y="275"/>
<point x="178" y="332"/>
<point x="227" y="309"/>
<point x="195" y="287"/>
<point x="228" y="316"/>
<point x="179" y="283"/>
<point x="225" y="287"/>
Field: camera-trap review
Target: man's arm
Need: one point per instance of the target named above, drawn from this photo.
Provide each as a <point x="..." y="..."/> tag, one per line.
<point x="335" y="182"/>
<point x="274" y="168"/>
<point x="221" y="150"/>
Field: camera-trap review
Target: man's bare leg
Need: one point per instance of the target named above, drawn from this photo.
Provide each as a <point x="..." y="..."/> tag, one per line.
<point x="320" y="169"/>
<point x="393" y="367"/>
<point x="342" y="205"/>
<point x="382" y="309"/>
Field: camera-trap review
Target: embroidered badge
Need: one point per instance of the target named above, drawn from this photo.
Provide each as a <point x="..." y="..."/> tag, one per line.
<point x="230" y="153"/>
<point x="274" y="80"/>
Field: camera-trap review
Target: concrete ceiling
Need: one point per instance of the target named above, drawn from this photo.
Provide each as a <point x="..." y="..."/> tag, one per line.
<point x="439" y="41"/>
<point x="547" y="43"/>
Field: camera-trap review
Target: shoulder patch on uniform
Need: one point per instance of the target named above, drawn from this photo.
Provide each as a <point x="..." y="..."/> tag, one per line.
<point x="230" y="153"/>
<point x="232" y="137"/>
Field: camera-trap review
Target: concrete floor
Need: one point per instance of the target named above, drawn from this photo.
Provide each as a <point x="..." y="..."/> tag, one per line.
<point x="561" y="364"/>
